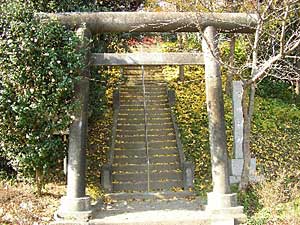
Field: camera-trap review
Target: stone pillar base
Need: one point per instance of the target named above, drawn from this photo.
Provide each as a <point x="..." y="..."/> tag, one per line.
<point x="78" y="209"/>
<point x="224" y="206"/>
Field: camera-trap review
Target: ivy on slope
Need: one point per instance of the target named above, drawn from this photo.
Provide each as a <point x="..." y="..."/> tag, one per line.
<point x="192" y="119"/>
<point x="275" y="129"/>
<point x="275" y="137"/>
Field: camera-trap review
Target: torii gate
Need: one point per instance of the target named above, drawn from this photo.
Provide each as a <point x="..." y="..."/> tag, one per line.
<point x="76" y="204"/>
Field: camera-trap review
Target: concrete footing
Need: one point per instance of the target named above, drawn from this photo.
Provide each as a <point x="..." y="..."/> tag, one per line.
<point x="77" y="209"/>
<point x="220" y="201"/>
<point x="224" y="206"/>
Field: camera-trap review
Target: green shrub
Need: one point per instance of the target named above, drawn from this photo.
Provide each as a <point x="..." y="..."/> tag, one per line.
<point x="39" y="63"/>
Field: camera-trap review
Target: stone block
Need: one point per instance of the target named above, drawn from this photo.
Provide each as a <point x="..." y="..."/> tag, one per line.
<point x="116" y="99"/>
<point x="188" y="176"/>
<point x="171" y="97"/>
<point x="237" y="166"/>
<point x="238" y="122"/>
<point x="106" y="177"/>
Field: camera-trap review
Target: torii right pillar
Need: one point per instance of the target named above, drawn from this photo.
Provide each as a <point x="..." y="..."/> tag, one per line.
<point x="221" y="202"/>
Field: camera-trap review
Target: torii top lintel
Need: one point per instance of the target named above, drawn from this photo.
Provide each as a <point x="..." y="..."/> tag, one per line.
<point x="101" y="22"/>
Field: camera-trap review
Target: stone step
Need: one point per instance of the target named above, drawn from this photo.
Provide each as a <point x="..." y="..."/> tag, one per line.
<point x="139" y="91"/>
<point x="142" y="152"/>
<point x="148" y="83"/>
<point x="149" y="107"/>
<point x="150" y="121"/>
<point x="143" y="186"/>
<point x="143" y="160"/>
<point x="142" y="126"/>
<point x="151" y="144"/>
<point x="149" y="88"/>
<point x="126" y="111"/>
<point x="154" y="78"/>
<point x="139" y="97"/>
<point x="166" y="195"/>
<point x="141" y="138"/>
<point x="136" y="121"/>
<point x="141" y="116"/>
<point x="149" y="104"/>
<point x="143" y="177"/>
<point x="142" y="132"/>
<point x="141" y="101"/>
<point x="138" y="71"/>
<point x="143" y="168"/>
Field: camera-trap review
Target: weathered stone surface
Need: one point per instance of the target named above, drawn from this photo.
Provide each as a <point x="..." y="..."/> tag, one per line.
<point x="100" y="22"/>
<point x="215" y="109"/>
<point x="238" y="121"/>
<point x="78" y="209"/>
<point x="237" y="167"/>
<point x="119" y="59"/>
<point x="223" y="221"/>
<point x="238" y="161"/>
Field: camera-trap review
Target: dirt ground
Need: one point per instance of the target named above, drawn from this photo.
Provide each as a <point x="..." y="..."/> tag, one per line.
<point x="19" y="205"/>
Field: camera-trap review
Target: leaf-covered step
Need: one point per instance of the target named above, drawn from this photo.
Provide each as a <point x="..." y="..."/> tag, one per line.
<point x="162" y="144"/>
<point x="141" y="152"/>
<point x="140" y="111"/>
<point x="123" y="132"/>
<point x="162" y="176"/>
<point x="142" y="126"/>
<point x="142" y="168"/>
<point x="140" y="138"/>
<point x="152" y="144"/>
<point x="150" y="107"/>
<point x="139" y="92"/>
<point x="152" y="83"/>
<point x="142" y="196"/>
<point x="148" y="101"/>
<point x="148" y="88"/>
<point x="151" y="120"/>
<point x="143" y="186"/>
<point x="140" y="116"/>
<point x="142" y="160"/>
<point x="154" y="95"/>
<point x="129" y="145"/>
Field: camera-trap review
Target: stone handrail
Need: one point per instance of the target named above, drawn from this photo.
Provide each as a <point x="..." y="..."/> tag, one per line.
<point x="106" y="170"/>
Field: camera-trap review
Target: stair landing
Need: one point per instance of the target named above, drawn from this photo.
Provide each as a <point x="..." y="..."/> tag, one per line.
<point x="149" y="212"/>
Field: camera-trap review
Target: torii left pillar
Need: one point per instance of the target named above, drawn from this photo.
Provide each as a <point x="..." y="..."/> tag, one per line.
<point x="76" y="205"/>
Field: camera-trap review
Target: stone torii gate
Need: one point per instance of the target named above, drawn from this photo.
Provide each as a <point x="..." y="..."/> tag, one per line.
<point x="76" y="204"/>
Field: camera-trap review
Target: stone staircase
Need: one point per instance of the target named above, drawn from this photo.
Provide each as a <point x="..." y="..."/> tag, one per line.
<point x="145" y="157"/>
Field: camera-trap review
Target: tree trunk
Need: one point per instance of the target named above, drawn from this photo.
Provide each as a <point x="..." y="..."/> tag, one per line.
<point x="39" y="180"/>
<point x="297" y="86"/>
<point x="248" y="110"/>
<point x="180" y="46"/>
<point x="228" y="88"/>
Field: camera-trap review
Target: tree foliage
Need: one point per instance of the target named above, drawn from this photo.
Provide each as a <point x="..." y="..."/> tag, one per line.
<point x="38" y="63"/>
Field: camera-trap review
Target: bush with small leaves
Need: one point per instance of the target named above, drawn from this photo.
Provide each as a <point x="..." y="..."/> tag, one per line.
<point x="39" y="62"/>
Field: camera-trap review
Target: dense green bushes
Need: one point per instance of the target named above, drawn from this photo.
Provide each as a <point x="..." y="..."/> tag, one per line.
<point x="38" y="65"/>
